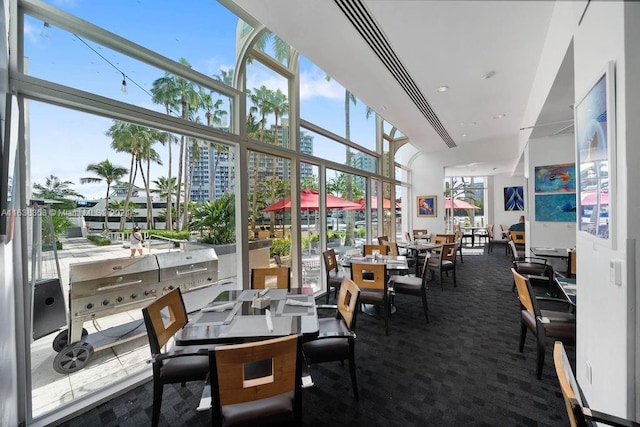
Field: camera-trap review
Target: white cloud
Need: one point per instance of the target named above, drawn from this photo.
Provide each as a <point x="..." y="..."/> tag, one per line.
<point x="314" y="84"/>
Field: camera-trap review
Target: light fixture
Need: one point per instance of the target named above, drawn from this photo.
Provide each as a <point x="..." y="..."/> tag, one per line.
<point x="461" y="123"/>
<point x="124" y="84"/>
<point x="45" y="30"/>
<point x="488" y="75"/>
<point x="464" y="135"/>
<point x="442" y="88"/>
<point x="500" y="116"/>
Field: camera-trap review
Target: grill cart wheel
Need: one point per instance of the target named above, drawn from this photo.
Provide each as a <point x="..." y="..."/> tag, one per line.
<point x="72" y="358"/>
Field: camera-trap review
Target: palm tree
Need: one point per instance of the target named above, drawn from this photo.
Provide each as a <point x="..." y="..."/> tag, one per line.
<point x="280" y="108"/>
<point x="55" y="189"/>
<point x="214" y="116"/>
<point x="165" y="91"/>
<point x="109" y="173"/>
<point x="137" y="141"/>
<point x="226" y="77"/>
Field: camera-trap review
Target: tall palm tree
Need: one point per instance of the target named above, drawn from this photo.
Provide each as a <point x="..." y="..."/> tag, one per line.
<point x="109" y="173"/>
<point x="214" y="117"/>
<point x="280" y="108"/>
<point x="137" y="141"/>
<point x="226" y="77"/>
<point x="165" y="91"/>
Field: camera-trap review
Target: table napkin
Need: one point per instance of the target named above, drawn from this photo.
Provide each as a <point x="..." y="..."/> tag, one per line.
<point x="221" y="307"/>
<point x="267" y="315"/>
<point x="291" y="301"/>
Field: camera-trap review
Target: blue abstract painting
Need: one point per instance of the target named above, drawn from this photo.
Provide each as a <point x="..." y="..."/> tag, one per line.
<point x="556" y="207"/>
<point x="513" y="198"/>
<point x="556" y="178"/>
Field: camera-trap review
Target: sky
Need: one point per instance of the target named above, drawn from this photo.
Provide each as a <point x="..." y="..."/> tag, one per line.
<point x="64" y="142"/>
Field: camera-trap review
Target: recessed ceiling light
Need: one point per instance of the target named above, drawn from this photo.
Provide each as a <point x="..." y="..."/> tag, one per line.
<point x="464" y="135"/>
<point x="461" y="123"/>
<point x="500" y="116"/>
<point x="488" y="75"/>
<point x="442" y="88"/>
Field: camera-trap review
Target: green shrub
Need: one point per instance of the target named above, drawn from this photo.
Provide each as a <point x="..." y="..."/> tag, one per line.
<point x="169" y="234"/>
<point x="280" y="247"/>
<point x="99" y="240"/>
<point x="360" y="232"/>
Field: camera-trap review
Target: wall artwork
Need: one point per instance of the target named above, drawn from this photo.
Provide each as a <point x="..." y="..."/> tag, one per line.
<point x="595" y="141"/>
<point x="555" y="178"/>
<point x="514" y="198"/>
<point x="427" y="205"/>
<point x="556" y="207"/>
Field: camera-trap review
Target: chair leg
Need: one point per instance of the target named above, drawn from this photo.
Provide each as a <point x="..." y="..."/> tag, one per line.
<point x="157" y="402"/>
<point x="328" y="291"/>
<point x="541" y="350"/>
<point x="523" y="335"/>
<point x="425" y="306"/>
<point x="352" y="371"/>
<point x="386" y="309"/>
<point x="441" y="281"/>
<point x="455" y="283"/>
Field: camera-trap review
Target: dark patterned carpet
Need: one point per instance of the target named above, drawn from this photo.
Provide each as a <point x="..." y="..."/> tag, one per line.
<point x="462" y="369"/>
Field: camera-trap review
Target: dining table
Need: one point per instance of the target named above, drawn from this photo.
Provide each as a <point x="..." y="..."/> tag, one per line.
<point x="474" y="231"/>
<point x="569" y="288"/>
<point x="417" y="248"/>
<point x="251" y="315"/>
<point x="553" y="254"/>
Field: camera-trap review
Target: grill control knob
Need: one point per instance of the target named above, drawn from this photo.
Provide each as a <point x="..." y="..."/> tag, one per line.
<point x="119" y="299"/>
<point x="105" y="302"/>
<point x="89" y="306"/>
<point x="134" y="296"/>
<point x="171" y="287"/>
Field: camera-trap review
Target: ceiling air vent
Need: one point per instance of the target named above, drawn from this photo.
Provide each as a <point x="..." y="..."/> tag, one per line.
<point x="357" y="13"/>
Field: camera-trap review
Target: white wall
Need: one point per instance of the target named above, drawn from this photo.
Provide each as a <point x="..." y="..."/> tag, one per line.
<point x="543" y="152"/>
<point x="427" y="177"/>
<point x="499" y="215"/>
<point x="606" y="312"/>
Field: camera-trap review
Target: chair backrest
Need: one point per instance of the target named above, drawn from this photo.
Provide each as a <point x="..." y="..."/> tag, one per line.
<point x="504" y="232"/>
<point x="348" y="302"/>
<point x="518" y="237"/>
<point x="270" y="277"/>
<point x="278" y="261"/>
<point x="524" y="293"/>
<point x="490" y="230"/>
<point x="573" y="268"/>
<point x="568" y="384"/>
<point x="449" y="238"/>
<point x="367" y="249"/>
<point x="439" y="239"/>
<point x="228" y="364"/>
<point x="514" y="250"/>
<point x="392" y="248"/>
<point x="407" y="236"/>
<point x="330" y="261"/>
<point x="449" y="252"/>
<point x="382" y="239"/>
<point x="419" y="231"/>
<point x="379" y="272"/>
<point x="160" y="329"/>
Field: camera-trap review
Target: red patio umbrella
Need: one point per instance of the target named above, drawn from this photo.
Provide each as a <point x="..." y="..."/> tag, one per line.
<point x="309" y="201"/>
<point x="386" y="203"/>
<point x="458" y="204"/>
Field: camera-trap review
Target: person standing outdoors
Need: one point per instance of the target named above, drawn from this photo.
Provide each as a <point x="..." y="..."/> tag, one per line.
<point x="136" y="241"/>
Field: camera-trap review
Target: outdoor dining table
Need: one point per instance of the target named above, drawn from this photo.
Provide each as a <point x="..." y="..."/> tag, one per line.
<point x="232" y="317"/>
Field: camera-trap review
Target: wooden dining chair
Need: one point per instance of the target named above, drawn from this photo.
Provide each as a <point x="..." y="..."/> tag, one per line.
<point x="414" y="286"/>
<point x="443" y="260"/>
<point x="382" y="239"/>
<point x="579" y="414"/>
<point x="336" y="340"/>
<point x="543" y="323"/>
<point x="372" y="281"/>
<point x="407" y="237"/>
<point x="271" y="277"/>
<point x="163" y="318"/>
<point x="272" y="398"/>
<point x="333" y="274"/>
<point x="368" y="249"/>
<point x="392" y="248"/>
<point x="439" y="240"/>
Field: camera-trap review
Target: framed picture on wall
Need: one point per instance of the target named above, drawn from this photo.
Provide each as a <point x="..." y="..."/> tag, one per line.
<point x="595" y="158"/>
<point x="514" y="198"/>
<point x="427" y="205"/>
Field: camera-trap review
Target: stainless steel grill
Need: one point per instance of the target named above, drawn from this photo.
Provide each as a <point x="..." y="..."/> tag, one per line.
<point x="102" y="288"/>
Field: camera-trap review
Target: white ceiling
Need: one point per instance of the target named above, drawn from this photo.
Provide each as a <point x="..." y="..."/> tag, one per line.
<point x="439" y="43"/>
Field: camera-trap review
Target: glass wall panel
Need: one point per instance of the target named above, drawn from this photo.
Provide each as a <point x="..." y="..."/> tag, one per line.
<point x="267" y="105"/>
<point x="312" y="268"/>
<point x="326" y="103"/>
<point x="388" y="209"/>
<point x="78" y="159"/>
<point x="345" y="201"/>
<point x="70" y="60"/>
<point x="403" y="203"/>
<point x="468" y="194"/>
<point x="275" y="47"/>
<point x="269" y="183"/>
<point x="387" y="162"/>
<point x="329" y="149"/>
<point x="161" y="28"/>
